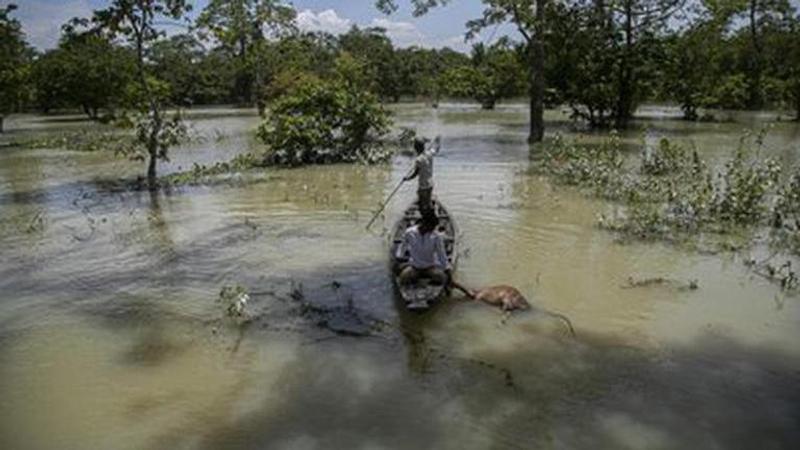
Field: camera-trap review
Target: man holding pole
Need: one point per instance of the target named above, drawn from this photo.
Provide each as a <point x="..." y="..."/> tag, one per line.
<point x="423" y="170"/>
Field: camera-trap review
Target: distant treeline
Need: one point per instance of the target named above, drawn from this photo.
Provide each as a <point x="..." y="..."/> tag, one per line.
<point x="601" y="59"/>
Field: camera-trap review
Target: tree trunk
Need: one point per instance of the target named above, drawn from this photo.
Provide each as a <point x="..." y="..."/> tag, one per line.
<point x="796" y="103"/>
<point x="261" y="105"/>
<point x="689" y="112"/>
<point x="244" y="82"/>
<point x="796" y="118"/>
<point x="152" y="145"/>
<point x="3" y="119"/>
<point x="754" y="85"/>
<point x="537" y="81"/>
<point x="151" y="171"/>
<point x="625" y="93"/>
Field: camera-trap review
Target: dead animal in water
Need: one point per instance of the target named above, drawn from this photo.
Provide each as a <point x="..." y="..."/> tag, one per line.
<point x="509" y="298"/>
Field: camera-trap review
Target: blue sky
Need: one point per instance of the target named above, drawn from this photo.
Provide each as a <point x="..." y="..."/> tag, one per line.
<point x="42" y="19"/>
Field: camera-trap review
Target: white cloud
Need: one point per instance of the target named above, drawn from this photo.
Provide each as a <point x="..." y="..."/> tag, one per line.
<point x="457" y="43"/>
<point x="327" y="21"/>
<point x="402" y="34"/>
<point x="42" y="19"/>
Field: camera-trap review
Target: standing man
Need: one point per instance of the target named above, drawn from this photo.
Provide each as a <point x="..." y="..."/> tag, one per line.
<point x="423" y="168"/>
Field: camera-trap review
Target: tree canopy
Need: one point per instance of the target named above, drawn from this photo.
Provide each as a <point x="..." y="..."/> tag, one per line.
<point x="600" y="59"/>
<point x="14" y="63"/>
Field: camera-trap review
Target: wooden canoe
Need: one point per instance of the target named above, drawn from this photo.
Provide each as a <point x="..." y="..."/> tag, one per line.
<point x="422" y="295"/>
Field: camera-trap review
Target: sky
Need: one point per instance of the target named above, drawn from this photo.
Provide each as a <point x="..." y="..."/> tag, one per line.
<point x="441" y="27"/>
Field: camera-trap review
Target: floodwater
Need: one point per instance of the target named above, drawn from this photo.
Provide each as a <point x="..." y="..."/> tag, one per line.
<point x="112" y="337"/>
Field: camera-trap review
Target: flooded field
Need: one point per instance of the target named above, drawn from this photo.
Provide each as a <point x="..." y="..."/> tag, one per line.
<point x="112" y="335"/>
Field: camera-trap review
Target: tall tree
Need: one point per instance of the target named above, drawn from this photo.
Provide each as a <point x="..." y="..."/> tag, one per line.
<point x="135" y="21"/>
<point x="242" y="27"/>
<point x="372" y="46"/>
<point x="14" y="67"/>
<point x="494" y="73"/>
<point x="691" y="69"/>
<point x="607" y="54"/>
<point x="529" y="17"/>
<point x="752" y="21"/>
<point x="177" y="61"/>
<point x="638" y="23"/>
<point x="84" y="59"/>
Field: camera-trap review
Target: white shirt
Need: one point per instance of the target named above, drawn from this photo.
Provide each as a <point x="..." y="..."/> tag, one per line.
<point x="424" y="250"/>
<point x="424" y="165"/>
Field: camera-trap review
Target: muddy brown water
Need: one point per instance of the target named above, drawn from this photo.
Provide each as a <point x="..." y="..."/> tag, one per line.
<point x="111" y="336"/>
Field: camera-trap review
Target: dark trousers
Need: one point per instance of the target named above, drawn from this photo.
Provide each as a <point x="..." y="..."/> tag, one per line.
<point x="425" y="199"/>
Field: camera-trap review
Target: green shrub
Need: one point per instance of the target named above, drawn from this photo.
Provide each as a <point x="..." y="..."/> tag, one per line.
<point x="745" y="184"/>
<point x="326" y="121"/>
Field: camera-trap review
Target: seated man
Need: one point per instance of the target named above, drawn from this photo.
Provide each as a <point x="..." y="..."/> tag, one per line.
<point x="426" y="251"/>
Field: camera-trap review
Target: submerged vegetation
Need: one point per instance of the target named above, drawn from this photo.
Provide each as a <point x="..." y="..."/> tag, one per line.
<point x="670" y="193"/>
<point x="80" y="141"/>
<point x="202" y="174"/>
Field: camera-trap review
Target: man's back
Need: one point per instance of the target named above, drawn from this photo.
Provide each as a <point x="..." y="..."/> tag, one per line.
<point x="424" y="165"/>
<point x="424" y="250"/>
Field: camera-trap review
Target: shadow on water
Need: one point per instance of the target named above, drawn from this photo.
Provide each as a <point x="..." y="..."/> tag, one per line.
<point x="405" y="384"/>
<point x="715" y="393"/>
<point x="402" y="384"/>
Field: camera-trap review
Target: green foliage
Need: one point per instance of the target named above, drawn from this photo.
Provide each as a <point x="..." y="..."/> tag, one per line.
<point x="730" y="92"/>
<point x="177" y="61"/>
<point x="495" y="73"/>
<point x="683" y="80"/>
<point x="61" y="76"/>
<point x="200" y="173"/>
<point x="786" y="215"/>
<point x="673" y="191"/>
<point x="79" y="141"/>
<point x="421" y="71"/>
<point x="745" y="185"/>
<point x="14" y="63"/>
<point x="666" y="159"/>
<point x="327" y="121"/>
<point x="375" y="50"/>
<point x="597" y="167"/>
<point x="240" y="26"/>
<point x="153" y="138"/>
<point x="136" y="23"/>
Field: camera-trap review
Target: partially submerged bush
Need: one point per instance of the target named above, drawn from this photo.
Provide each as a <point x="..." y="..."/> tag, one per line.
<point x="667" y="158"/>
<point x="786" y="214"/>
<point x="674" y="191"/>
<point x="746" y="182"/>
<point x="318" y="121"/>
<point x="598" y="167"/>
<point x="200" y="173"/>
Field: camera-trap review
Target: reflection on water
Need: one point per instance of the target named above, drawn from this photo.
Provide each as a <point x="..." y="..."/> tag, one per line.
<point x="111" y="335"/>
